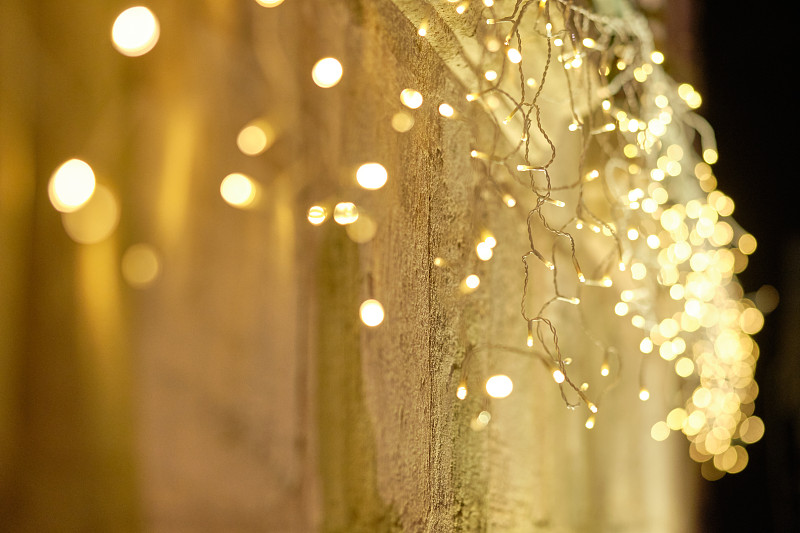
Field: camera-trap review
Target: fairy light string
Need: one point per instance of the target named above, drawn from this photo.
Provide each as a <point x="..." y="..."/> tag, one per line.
<point x="635" y="213"/>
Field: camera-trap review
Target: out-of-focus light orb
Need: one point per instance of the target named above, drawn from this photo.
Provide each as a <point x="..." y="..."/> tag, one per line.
<point x="317" y="214"/>
<point x="140" y="265"/>
<point x="558" y="376"/>
<point x="345" y="213"/>
<point x="411" y="99"/>
<point x="684" y="367"/>
<point x="239" y="190"/>
<point x="371" y="176"/>
<point x="327" y="72"/>
<point x="362" y="230"/>
<point x="659" y="431"/>
<point x="269" y="3"/>
<point x="402" y="122"/>
<point x="95" y="221"/>
<point x="513" y="55"/>
<point x="372" y="313"/>
<point x="621" y="309"/>
<point x="446" y="110"/>
<point x="747" y="244"/>
<point x="589" y="422"/>
<point x="71" y="185"/>
<point x="644" y="395"/>
<point x="135" y="31"/>
<point x="499" y="386"/>
<point x="484" y="251"/>
<point x="472" y="281"/>
<point x="461" y="393"/>
<point x="255" y="138"/>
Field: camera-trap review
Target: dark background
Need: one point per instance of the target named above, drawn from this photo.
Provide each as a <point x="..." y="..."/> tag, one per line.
<point x="745" y="78"/>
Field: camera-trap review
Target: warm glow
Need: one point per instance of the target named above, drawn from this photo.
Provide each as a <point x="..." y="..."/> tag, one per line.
<point x="659" y="431"/>
<point x="317" y="214"/>
<point x="461" y="392"/>
<point x="371" y="312"/>
<point x="472" y="281"/>
<point x="327" y="72"/>
<point x="239" y="190"/>
<point x="135" y="31"/>
<point x="71" y="185"/>
<point x="446" y="110"/>
<point x="255" y="138"/>
<point x="499" y="386"/>
<point x="411" y="98"/>
<point x="484" y="251"/>
<point x="644" y="395"/>
<point x="345" y="213"/>
<point x="371" y="176"/>
<point x="558" y="376"/>
<point x="269" y="3"/>
<point x="140" y="265"/>
<point x="402" y="122"/>
<point x="95" y="221"/>
<point x="513" y="55"/>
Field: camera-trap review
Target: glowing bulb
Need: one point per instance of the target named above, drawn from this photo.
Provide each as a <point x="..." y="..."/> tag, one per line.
<point x="633" y="234"/>
<point x="621" y="309"/>
<point x="255" y="138"/>
<point x="135" y="31"/>
<point x="509" y="200"/>
<point x="371" y="176"/>
<point x="484" y="251"/>
<point x="71" y="186"/>
<point x="446" y="110"/>
<point x="422" y="32"/>
<point x="605" y="370"/>
<point x="558" y="376"/>
<point x="589" y="422"/>
<point x="410" y="98"/>
<point x="371" y="312"/>
<point x="592" y="407"/>
<point x="657" y="57"/>
<point x="499" y="386"/>
<point x="644" y="395"/>
<point x="327" y="72"/>
<point x="317" y="214"/>
<point x="653" y="241"/>
<point x="490" y="75"/>
<point x="269" y="3"/>
<point x="710" y="156"/>
<point x="747" y="244"/>
<point x="238" y="190"/>
<point x="513" y="55"/>
<point x="472" y="281"/>
<point x="646" y="346"/>
<point x="461" y="392"/>
<point x="345" y="213"/>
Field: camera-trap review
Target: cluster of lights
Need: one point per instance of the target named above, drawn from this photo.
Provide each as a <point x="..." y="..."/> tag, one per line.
<point x="673" y="249"/>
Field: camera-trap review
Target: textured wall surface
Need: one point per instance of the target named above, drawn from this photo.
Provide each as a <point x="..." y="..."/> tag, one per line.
<point x="240" y="392"/>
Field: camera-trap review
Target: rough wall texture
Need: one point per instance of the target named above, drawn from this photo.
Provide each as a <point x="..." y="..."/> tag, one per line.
<point x="240" y="393"/>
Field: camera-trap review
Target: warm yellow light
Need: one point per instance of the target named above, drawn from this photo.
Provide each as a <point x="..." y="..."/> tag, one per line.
<point x="509" y="200"/>
<point x="490" y="75"/>
<point x="638" y="271"/>
<point x="402" y="122"/>
<point x="461" y="392"/>
<point x="71" y="185"/>
<point x="484" y="251"/>
<point x="362" y="230"/>
<point x="558" y="376"/>
<point x="345" y="213"/>
<point x="422" y="31"/>
<point x="327" y="72"/>
<point x="371" y="176"/>
<point x="446" y="110"/>
<point x="472" y="281"/>
<point x="411" y="98"/>
<point x="95" y="221"/>
<point x="659" y="431"/>
<point x="140" y="265"/>
<point x="238" y="190"/>
<point x="513" y="55"/>
<point x="269" y="3"/>
<point x="135" y="31"/>
<point x="653" y="241"/>
<point x="684" y="367"/>
<point x="646" y="346"/>
<point x="255" y="138"/>
<point x="657" y="57"/>
<point x="751" y="430"/>
<point x="499" y="386"/>
<point x="589" y="422"/>
<point x="747" y="244"/>
<point x="371" y="312"/>
<point x="710" y="156"/>
<point x="317" y="214"/>
<point x="644" y="395"/>
<point x="633" y="234"/>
